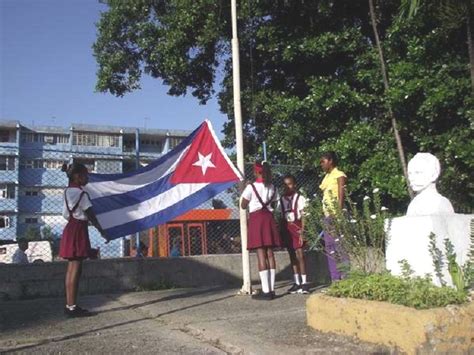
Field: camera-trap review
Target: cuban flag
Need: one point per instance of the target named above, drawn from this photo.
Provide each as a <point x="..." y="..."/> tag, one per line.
<point x="192" y="173"/>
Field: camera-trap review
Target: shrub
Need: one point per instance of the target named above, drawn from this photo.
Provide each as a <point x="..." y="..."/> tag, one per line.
<point x="359" y="230"/>
<point x="417" y="292"/>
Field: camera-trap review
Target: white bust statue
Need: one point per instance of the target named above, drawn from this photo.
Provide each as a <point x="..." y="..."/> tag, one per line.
<point x="423" y="171"/>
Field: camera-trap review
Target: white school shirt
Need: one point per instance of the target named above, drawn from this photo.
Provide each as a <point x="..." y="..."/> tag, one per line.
<point x="72" y="195"/>
<point x="288" y="205"/>
<point x="265" y="192"/>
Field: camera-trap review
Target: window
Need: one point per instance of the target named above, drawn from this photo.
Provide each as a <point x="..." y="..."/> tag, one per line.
<point x="31" y="220"/>
<point x="7" y="191"/>
<point x="4" y="136"/>
<point x="95" y="139"/>
<point x="4" y="222"/>
<point x="41" y="164"/>
<point x="48" y="138"/>
<point x="31" y="193"/>
<point x="62" y="139"/>
<point x="51" y="192"/>
<point x="174" y="141"/>
<point x="27" y="137"/>
<point x="7" y="163"/>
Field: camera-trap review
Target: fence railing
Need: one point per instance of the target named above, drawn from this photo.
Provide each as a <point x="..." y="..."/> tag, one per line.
<point x="31" y="203"/>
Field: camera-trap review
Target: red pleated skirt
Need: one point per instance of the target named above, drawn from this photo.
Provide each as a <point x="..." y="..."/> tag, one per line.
<point x="75" y="243"/>
<point x="263" y="230"/>
<point x="291" y="235"/>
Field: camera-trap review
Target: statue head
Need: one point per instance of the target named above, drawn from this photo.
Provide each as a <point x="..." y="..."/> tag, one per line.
<point x="423" y="170"/>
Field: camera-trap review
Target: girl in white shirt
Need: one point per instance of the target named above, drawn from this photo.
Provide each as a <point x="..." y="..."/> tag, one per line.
<point x="75" y="245"/>
<point x="260" y="197"/>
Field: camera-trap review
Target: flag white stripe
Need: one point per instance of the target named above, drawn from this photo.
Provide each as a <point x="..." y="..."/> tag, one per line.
<point x="149" y="207"/>
<point x="109" y="188"/>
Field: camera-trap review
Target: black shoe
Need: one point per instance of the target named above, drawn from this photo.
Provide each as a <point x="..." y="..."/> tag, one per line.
<point x="272" y="295"/>
<point x="305" y="289"/>
<point x="294" y="289"/>
<point x="76" y="312"/>
<point x="262" y="296"/>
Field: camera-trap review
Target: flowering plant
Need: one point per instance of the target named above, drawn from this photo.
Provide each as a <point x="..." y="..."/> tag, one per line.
<point x="360" y="230"/>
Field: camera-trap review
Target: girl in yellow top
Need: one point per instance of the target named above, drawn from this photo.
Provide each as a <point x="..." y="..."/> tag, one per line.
<point x="332" y="187"/>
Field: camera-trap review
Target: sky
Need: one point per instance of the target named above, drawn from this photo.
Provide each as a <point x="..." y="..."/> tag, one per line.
<point x="47" y="73"/>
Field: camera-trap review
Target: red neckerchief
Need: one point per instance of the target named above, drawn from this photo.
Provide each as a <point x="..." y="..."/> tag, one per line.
<point x="259" y="180"/>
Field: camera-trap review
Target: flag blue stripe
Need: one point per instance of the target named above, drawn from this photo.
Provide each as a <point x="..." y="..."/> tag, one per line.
<point x="113" y="202"/>
<point x="112" y="177"/>
<point x="168" y="214"/>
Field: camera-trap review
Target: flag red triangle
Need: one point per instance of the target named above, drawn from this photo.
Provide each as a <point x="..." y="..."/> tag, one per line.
<point x="204" y="161"/>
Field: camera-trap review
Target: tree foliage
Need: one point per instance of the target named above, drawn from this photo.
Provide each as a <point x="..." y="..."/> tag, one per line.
<point x="310" y="80"/>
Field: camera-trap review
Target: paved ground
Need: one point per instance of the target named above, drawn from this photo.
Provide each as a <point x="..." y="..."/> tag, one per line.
<point x="191" y="321"/>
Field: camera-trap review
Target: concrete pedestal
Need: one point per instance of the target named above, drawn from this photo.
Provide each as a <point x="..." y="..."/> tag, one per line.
<point x="409" y="240"/>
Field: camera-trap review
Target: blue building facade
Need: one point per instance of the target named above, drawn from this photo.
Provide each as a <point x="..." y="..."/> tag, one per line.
<point x="32" y="183"/>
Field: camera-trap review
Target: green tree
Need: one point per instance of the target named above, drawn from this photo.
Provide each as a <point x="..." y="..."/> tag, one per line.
<point x="32" y="233"/>
<point x="452" y="14"/>
<point x="310" y="80"/>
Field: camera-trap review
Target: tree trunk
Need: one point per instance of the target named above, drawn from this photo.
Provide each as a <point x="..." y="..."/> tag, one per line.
<point x="470" y="47"/>
<point x="396" y="133"/>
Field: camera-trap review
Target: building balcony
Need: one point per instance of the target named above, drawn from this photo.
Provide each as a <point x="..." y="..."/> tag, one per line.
<point x="41" y="204"/>
<point x="43" y="177"/>
<point x="9" y="205"/>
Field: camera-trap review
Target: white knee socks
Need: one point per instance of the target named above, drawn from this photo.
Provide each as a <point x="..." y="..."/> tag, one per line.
<point x="272" y="279"/>
<point x="264" y="279"/>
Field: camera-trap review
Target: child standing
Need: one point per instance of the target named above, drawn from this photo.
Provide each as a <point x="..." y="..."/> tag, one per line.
<point x="292" y="207"/>
<point x="332" y="186"/>
<point x="75" y="245"/>
<point x="260" y="198"/>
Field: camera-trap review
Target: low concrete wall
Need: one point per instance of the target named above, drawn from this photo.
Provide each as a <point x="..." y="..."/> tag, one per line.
<point x="127" y="274"/>
<point x="447" y="330"/>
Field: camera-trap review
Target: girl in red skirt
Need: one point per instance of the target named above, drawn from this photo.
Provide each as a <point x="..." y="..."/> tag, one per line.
<point x="75" y="245"/>
<point x="260" y="197"/>
<point x="292" y="205"/>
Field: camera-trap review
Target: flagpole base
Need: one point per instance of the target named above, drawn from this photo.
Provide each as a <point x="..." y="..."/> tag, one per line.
<point x="245" y="291"/>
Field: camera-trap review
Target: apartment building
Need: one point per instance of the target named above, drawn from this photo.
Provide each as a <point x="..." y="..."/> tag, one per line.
<point x="31" y="182"/>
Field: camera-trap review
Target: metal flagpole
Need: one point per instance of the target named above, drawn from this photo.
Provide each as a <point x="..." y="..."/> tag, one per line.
<point x="137" y="165"/>
<point x="246" y="287"/>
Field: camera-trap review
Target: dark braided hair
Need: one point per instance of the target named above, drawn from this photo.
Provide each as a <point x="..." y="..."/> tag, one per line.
<point x="73" y="169"/>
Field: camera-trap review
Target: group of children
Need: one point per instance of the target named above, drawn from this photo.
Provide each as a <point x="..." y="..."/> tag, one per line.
<point x="261" y="198"/>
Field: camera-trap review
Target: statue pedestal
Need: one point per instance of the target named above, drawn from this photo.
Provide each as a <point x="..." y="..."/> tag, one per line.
<point x="409" y="240"/>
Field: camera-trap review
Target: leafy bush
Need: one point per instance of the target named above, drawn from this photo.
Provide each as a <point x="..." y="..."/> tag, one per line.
<point x="417" y="292"/>
<point x="359" y="230"/>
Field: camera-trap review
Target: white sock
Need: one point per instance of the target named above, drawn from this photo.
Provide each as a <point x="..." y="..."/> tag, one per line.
<point x="296" y="277"/>
<point x="264" y="280"/>
<point x="272" y="279"/>
<point x="71" y="308"/>
<point x="303" y="279"/>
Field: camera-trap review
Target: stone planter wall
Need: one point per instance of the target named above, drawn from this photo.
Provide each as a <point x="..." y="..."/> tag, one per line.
<point x="440" y="330"/>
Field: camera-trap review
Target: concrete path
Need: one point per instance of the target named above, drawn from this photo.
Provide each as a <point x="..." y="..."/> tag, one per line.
<point x="187" y="321"/>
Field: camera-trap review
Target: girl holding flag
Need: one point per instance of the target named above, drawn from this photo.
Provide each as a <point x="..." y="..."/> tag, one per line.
<point x="75" y="245"/>
<point x="260" y="198"/>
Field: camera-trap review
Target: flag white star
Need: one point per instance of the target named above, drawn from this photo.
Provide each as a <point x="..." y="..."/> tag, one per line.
<point x="204" y="162"/>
